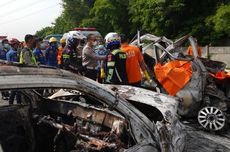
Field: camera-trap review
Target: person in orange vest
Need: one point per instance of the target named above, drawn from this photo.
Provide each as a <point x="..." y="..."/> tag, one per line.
<point x="190" y="51"/>
<point x="60" y="49"/>
<point x="134" y="63"/>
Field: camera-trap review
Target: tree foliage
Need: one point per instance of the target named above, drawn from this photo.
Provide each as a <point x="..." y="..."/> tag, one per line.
<point x="109" y="15"/>
<point x="208" y="20"/>
<point x="221" y="20"/>
<point x="45" y="31"/>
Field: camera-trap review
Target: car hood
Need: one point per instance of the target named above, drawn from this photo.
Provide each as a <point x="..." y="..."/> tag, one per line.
<point x="166" y="104"/>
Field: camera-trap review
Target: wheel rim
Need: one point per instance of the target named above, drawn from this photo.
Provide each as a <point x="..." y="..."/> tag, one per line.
<point x="211" y="118"/>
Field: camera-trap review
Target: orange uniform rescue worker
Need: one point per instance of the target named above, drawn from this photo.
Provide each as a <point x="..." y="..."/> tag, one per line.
<point x="134" y="62"/>
<point x="60" y="49"/>
<point x="190" y="51"/>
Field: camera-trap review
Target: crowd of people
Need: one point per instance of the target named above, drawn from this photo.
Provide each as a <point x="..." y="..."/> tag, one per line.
<point x="111" y="61"/>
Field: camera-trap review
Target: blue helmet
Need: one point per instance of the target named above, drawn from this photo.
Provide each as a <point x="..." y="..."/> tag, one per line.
<point x="73" y="38"/>
<point x="71" y="42"/>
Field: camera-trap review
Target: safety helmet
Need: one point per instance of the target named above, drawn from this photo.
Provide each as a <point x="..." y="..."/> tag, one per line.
<point x="62" y="40"/>
<point x="52" y="40"/>
<point x="73" y="38"/>
<point x="14" y="41"/>
<point x="112" y="39"/>
<point x="76" y="35"/>
<point x="70" y="42"/>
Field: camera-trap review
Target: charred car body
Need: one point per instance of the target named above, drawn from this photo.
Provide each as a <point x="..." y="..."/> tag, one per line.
<point x="98" y="119"/>
<point x="204" y="94"/>
<point x="159" y="108"/>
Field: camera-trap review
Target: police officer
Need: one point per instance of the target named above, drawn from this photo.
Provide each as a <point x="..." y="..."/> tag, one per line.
<point x="90" y="58"/>
<point x="52" y="52"/>
<point x="116" y="60"/>
<point x="26" y="55"/>
<point x="70" y="52"/>
<point x="39" y="56"/>
<point x="13" y="56"/>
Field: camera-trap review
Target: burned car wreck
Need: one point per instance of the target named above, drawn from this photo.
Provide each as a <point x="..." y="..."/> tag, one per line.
<point x="201" y="84"/>
<point x="159" y="108"/>
<point x="83" y="115"/>
<point x="100" y="120"/>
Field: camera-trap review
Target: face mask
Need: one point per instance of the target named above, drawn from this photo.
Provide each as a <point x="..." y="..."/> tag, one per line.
<point x="63" y="45"/>
<point x="95" y="43"/>
<point x="53" y="45"/>
<point x="42" y="46"/>
<point x="6" y="46"/>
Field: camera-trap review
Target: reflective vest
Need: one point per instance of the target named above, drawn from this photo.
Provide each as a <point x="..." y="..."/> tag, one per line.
<point x="116" y="67"/>
<point x="33" y="60"/>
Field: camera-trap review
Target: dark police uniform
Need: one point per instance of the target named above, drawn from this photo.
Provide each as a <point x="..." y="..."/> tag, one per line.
<point x="116" y="67"/>
<point x="69" y="59"/>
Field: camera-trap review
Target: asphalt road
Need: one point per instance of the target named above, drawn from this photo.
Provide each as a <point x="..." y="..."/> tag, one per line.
<point x="198" y="140"/>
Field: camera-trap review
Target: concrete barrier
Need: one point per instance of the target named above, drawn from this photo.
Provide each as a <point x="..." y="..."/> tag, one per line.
<point x="218" y="53"/>
<point x="215" y="53"/>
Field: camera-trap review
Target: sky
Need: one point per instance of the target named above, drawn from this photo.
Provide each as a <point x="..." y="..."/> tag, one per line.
<point x="21" y="17"/>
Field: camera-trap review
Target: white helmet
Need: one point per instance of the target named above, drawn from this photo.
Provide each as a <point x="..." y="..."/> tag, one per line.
<point x="76" y="35"/>
<point x="112" y="39"/>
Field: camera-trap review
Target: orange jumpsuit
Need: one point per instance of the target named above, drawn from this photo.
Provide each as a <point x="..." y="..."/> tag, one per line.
<point x="59" y="54"/>
<point x="134" y="57"/>
<point x="190" y="52"/>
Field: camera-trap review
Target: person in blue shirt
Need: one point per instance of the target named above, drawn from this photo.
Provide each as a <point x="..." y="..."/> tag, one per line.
<point x="101" y="51"/>
<point x="39" y="56"/>
<point x="5" y="49"/>
<point x="13" y="56"/>
<point x="52" y="53"/>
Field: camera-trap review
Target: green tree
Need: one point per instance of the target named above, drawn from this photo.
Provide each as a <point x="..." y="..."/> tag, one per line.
<point x="44" y="32"/>
<point x="174" y="18"/>
<point x="74" y="11"/>
<point x="207" y="20"/>
<point x="109" y="15"/>
<point x="221" y="20"/>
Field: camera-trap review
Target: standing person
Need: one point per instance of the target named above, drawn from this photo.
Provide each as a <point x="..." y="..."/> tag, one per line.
<point x="101" y="51"/>
<point x="190" y="51"/>
<point x="13" y="56"/>
<point x="69" y="54"/>
<point x="5" y="49"/>
<point x="26" y="55"/>
<point x="60" y="49"/>
<point x="90" y="58"/>
<point x="52" y="52"/>
<point x="116" y="60"/>
<point x="134" y="63"/>
<point x="3" y="52"/>
<point x="79" y="55"/>
<point x="39" y="56"/>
